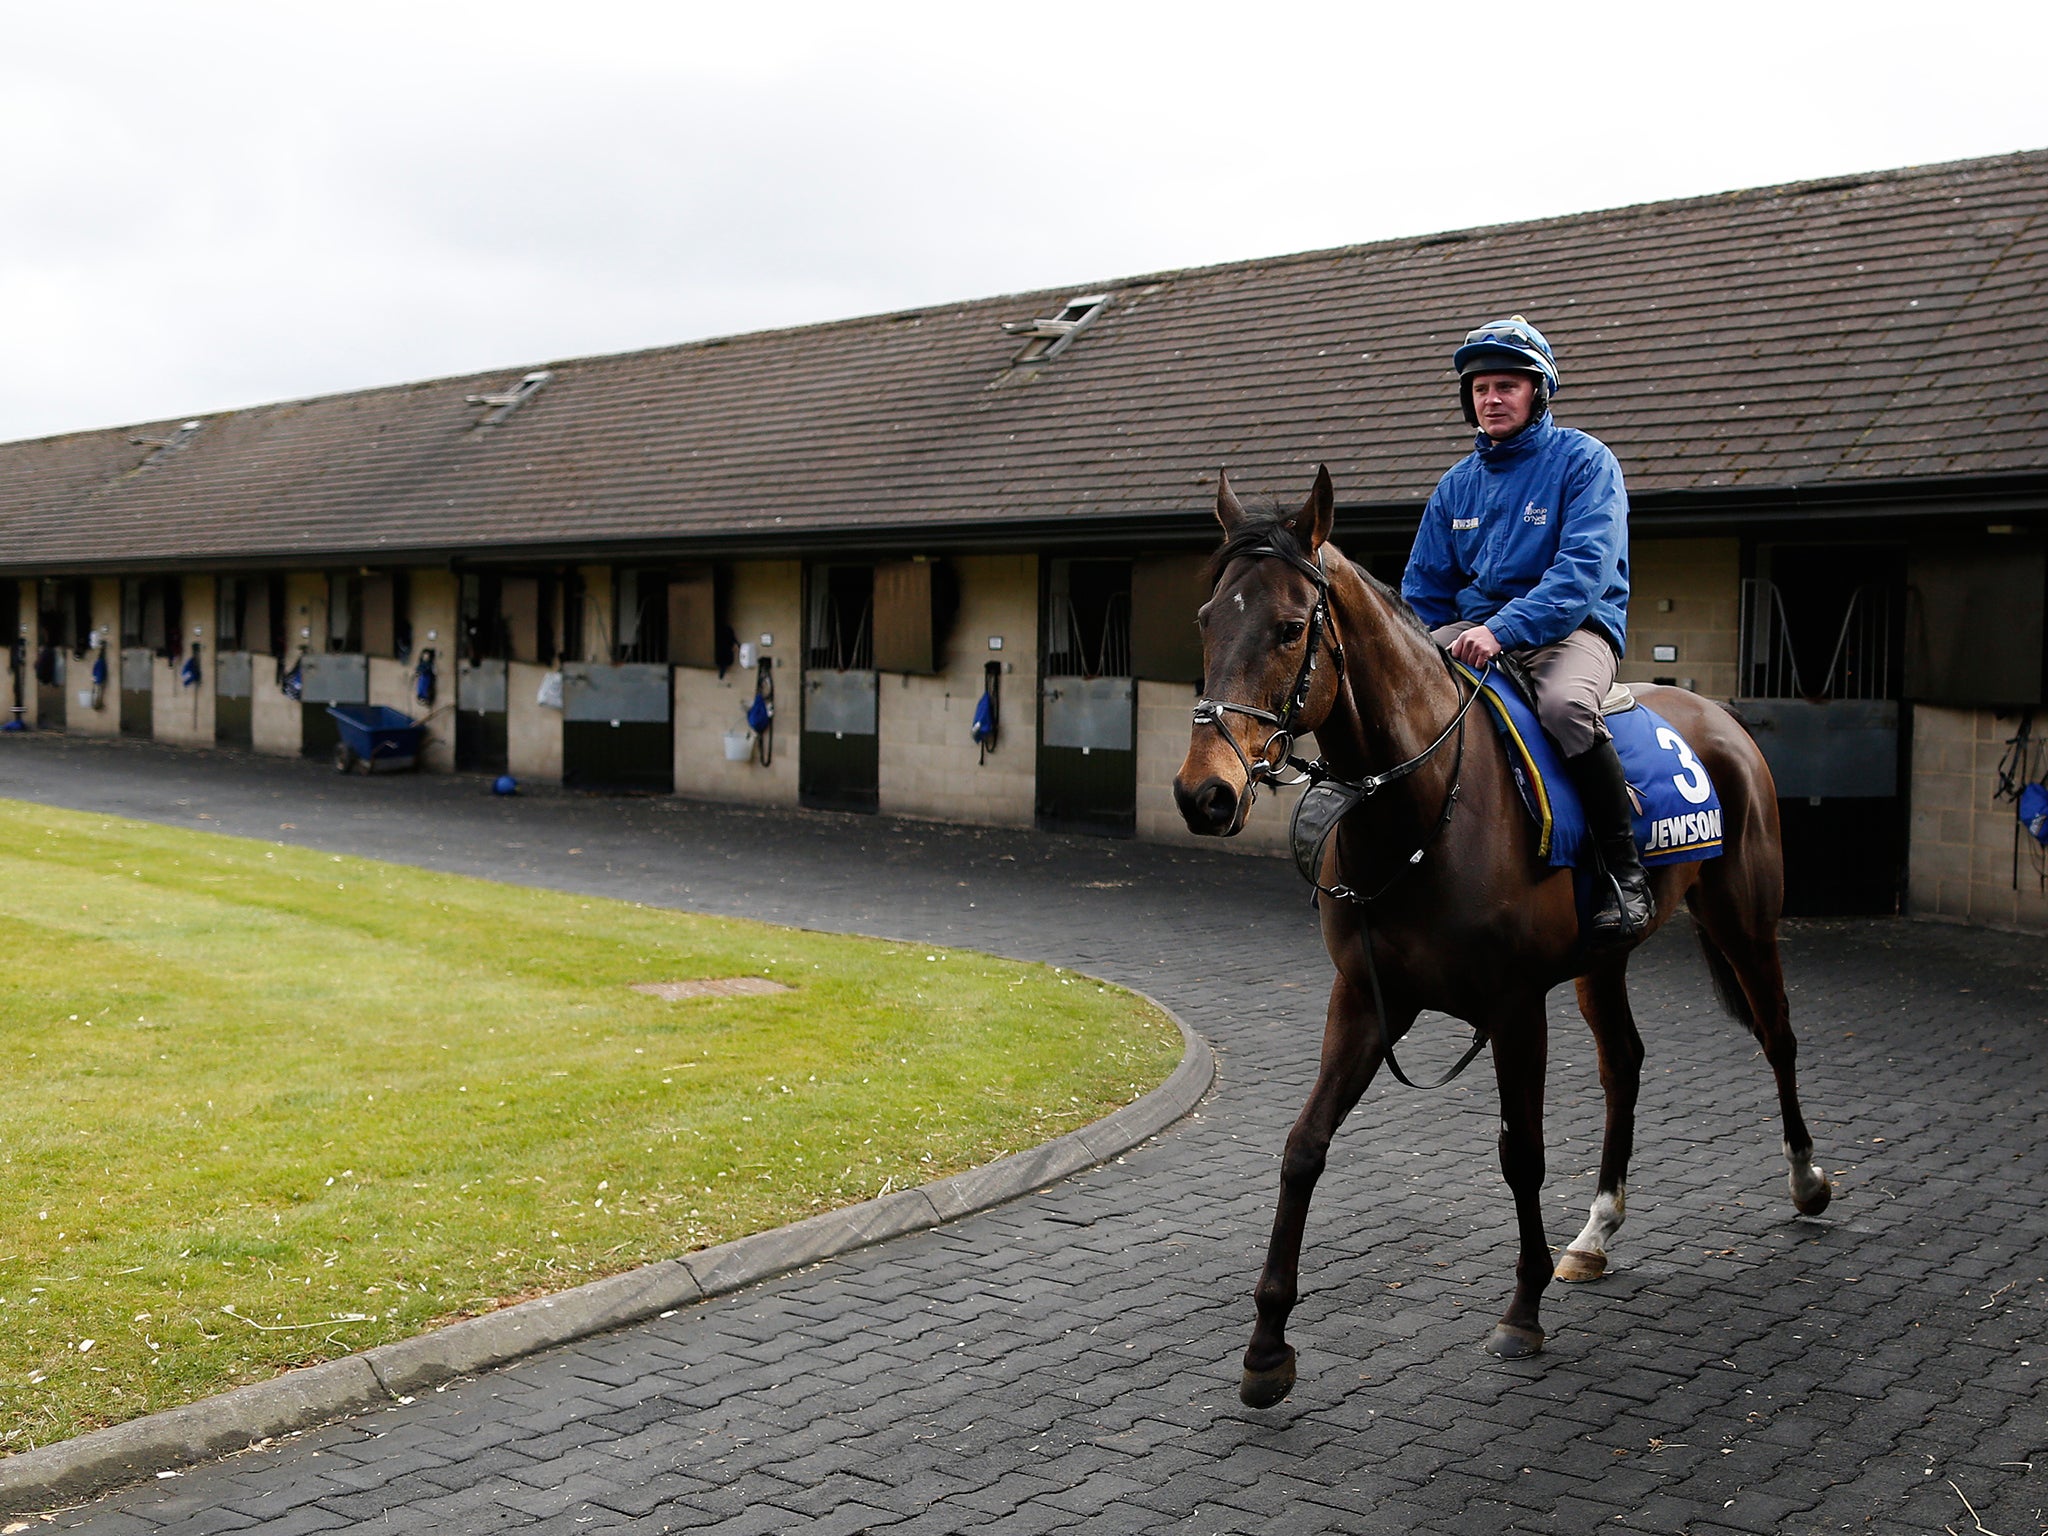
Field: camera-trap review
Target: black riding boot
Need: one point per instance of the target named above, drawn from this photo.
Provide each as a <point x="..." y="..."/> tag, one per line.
<point x="1622" y="905"/>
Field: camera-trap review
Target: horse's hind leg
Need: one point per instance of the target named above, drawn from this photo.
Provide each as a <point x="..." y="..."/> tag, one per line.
<point x="1603" y="999"/>
<point x="1743" y="960"/>
<point x="1520" y="1044"/>
<point x="1351" y="1054"/>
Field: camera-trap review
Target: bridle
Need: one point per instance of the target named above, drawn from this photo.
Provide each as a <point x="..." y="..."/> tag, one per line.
<point x="1286" y="723"/>
<point x="1265" y="768"/>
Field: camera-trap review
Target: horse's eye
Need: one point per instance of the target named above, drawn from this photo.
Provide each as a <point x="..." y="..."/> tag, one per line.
<point x="1291" y="631"/>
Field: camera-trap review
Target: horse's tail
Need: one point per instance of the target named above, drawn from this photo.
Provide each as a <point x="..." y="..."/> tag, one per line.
<point x="1727" y="986"/>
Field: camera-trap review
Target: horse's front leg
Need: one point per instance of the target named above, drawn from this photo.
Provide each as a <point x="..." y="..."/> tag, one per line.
<point x="1351" y="1054"/>
<point x="1520" y="1047"/>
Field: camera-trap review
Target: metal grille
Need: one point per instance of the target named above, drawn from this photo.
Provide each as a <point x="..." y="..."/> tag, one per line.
<point x="1088" y="631"/>
<point x="842" y="627"/>
<point x="1859" y="667"/>
<point x="641" y="617"/>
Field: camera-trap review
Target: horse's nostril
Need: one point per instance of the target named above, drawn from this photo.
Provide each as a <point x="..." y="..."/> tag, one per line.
<point x="1209" y="808"/>
<point x="1216" y="802"/>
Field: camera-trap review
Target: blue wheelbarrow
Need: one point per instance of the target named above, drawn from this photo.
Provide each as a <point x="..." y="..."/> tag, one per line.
<point x="376" y="738"/>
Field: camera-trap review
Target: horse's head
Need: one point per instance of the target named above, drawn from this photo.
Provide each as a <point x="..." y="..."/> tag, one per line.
<point x="1269" y="664"/>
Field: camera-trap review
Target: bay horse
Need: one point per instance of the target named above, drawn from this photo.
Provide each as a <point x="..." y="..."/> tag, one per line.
<point x="1461" y="916"/>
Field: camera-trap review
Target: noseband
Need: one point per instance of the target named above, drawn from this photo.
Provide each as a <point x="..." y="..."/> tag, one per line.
<point x="1286" y="723"/>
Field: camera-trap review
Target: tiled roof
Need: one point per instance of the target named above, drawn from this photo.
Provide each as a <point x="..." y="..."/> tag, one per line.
<point x="1819" y="334"/>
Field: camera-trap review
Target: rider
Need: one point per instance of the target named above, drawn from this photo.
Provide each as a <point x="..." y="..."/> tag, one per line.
<point x="1524" y="548"/>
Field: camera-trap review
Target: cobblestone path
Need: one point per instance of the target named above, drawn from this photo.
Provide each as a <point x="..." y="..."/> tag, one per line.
<point x="1069" y="1362"/>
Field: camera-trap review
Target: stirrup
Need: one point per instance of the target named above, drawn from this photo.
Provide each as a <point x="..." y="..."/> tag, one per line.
<point x="1612" y="924"/>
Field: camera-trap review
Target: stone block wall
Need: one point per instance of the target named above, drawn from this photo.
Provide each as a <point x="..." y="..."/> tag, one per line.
<point x="533" y="732"/>
<point x="433" y="597"/>
<point x="177" y="713"/>
<point x="1960" y="860"/>
<point x="766" y="598"/>
<point x="305" y="613"/>
<point x="80" y="718"/>
<point x="928" y="762"/>
<point x="276" y="723"/>
<point x="1685" y="593"/>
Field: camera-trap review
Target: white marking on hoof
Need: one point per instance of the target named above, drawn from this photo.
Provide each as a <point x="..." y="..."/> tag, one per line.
<point x="1609" y="1211"/>
<point x="1810" y="1188"/>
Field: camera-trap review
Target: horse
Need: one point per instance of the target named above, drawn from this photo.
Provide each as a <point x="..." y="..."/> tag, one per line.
<point x="1431" y="897"/>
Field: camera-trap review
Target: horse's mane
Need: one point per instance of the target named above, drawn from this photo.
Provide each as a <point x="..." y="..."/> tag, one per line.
<point x="1271" y="530"/>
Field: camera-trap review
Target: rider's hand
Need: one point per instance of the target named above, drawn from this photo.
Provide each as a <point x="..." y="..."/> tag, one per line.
<point x="1476" y="647"/>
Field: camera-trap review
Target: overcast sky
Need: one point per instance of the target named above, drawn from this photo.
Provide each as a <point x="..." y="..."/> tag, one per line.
<point x="212" y="204"/>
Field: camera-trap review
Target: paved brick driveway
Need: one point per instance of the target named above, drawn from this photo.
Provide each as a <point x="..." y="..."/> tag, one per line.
<point x="1068" y="1363"/>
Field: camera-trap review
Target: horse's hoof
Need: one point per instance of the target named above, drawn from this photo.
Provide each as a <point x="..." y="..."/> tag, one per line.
<point x="1512" y="1343"/>
<point x="1262" y="1389"/>
<point x="1576" y="1265"/>
<point x="1814" y="1199"/>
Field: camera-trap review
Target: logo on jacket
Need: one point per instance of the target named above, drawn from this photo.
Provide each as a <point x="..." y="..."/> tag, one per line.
<point x="1535" y="515"/>
<point x="1463" y="524"/>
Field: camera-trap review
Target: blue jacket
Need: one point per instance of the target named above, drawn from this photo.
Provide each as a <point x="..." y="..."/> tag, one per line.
<point x="1528" y="537"/>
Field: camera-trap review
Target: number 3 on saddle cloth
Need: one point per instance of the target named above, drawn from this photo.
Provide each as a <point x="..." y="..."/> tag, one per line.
<point x="1678" y="810"/>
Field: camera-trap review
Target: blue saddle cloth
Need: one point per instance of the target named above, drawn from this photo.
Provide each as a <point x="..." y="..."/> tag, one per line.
<point x="1678" y="810"/>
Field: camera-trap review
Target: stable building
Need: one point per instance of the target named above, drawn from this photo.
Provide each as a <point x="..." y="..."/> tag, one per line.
<point x="1822" y="395"/>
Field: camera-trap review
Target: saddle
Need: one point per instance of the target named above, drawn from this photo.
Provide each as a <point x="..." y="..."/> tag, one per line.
<point x="1510" y="665"/>
<point x="1678" y="810"/>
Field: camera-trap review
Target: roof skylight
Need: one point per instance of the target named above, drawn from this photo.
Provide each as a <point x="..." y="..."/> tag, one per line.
<point x="505" y="402"/>
<point x="1047" y="338"/>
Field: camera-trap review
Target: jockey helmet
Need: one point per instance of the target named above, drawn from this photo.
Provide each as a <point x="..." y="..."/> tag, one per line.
<point x="1512" y="345"/>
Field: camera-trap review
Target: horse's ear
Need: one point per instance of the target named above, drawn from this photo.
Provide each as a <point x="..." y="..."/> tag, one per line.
<point x="1229" y="510"/>
<point x="1312" y="524"/>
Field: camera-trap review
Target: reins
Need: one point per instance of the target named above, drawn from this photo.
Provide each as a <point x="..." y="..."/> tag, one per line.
<point x="1265" y="769"/>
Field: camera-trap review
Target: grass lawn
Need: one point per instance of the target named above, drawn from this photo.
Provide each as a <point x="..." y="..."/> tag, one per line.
<point x="267" y="1106"/>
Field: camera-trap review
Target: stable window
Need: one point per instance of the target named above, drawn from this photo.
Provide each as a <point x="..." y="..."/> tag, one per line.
<point x="1089" y="619"/>
<point x="574" y="645"/>
<point x="482" y="621"/>
<point x="249" y="614"/>
<point x="640" y="602"/>
<point x="152" y="614"/>
<point x="230" y="609"/>
<point x="344" y="612"/>
<point x="56" y="615"/>
<point x="842" y="619"/>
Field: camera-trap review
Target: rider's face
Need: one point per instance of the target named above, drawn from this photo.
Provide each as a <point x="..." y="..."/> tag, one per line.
<point x="1503" y="402"/>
